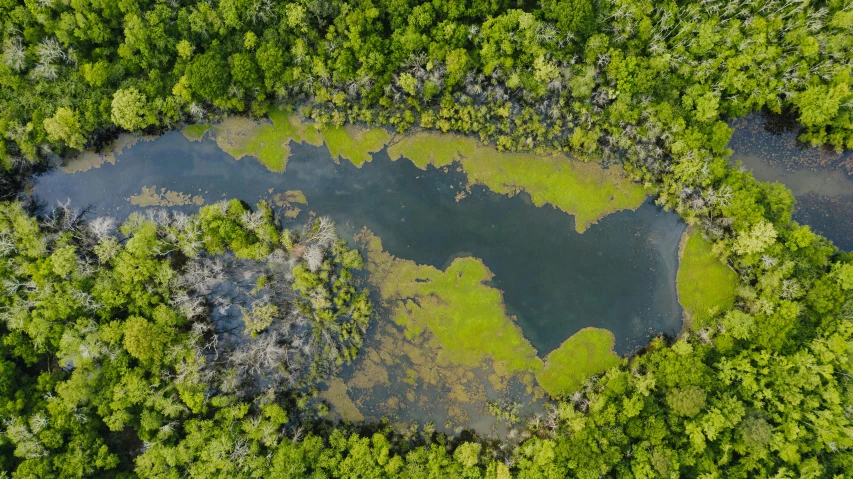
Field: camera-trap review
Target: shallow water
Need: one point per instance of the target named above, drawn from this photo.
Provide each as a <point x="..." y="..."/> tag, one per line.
<point x="618" y="275"/>
<point x="820" y="179"/>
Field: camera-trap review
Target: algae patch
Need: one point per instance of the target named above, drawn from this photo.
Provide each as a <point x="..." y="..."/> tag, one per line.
<point x="151" y="197"/>
<point x="268" y="141"/>
<point x="288" y="201"/>
<point x="466" y="319"/>
<point x="338" y="397"/>
<point x="706" y="286"/>
<point x="585" y="190"/>
<point x="586" y="353"/>
<point x="354" y="143"/>
<point x="195" y="132"/>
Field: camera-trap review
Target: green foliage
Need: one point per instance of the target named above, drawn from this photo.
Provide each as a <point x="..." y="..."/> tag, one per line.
<point x="586" y="353"/>
<point x="126" y="335"/>
<point x="128" y="109"/>
<point x="64" y="126"/>
<point x="208" y="74"/>
<point x="765" y="393"/>
<point x="706" y="285"/>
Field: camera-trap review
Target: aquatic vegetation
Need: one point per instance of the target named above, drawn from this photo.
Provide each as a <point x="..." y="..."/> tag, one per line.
<point x="195" y="131"/>
<point x="354" y="143"/>
<point x="339" y="398"/>
<point x="585" y="190"/>
<point x="706" y="285"/>
<point x="268" y="141"/>
<point x="586" y="353"/>
<point x="398" y="377"/>
<point x="151" y="197"/>
<point x="289" y="201"/>
<point x="455" y="308"/>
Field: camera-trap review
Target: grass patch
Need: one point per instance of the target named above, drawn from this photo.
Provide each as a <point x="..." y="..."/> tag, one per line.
<point x="464" y="318"/>
<point x="584" y="190"/>
<point x="354" y="143"/>
<point x="269" y="142"/>
<point x="587" y="352"/>
<point x="195" y="132"/>
<point x="706" y="286"/>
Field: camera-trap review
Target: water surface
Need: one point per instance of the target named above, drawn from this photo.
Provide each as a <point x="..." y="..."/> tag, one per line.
<point x="618" y="275"/>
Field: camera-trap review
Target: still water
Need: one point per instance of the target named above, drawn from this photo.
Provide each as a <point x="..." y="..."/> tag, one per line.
<point x="618" y="275"/>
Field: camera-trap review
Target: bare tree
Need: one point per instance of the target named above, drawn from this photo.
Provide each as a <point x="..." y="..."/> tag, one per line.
<point x="14" y="54"/>
<point x="102" y="226"/>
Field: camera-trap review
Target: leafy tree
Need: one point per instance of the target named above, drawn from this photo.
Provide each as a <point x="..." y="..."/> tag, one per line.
<point x="128" y="109"/>
<point x="64" y="126"/>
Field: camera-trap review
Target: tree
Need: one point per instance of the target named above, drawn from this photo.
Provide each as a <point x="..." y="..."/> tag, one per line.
<point x="128" y="109"/>
<point x="818" y="104"/>
<point x="468" y="453"/>
<point x="64" y="126"/>
<point x="686" y="402"/>
<point x="144" y="340"/>
<point x="574" y="16"/>
<point x="209" y="75"/>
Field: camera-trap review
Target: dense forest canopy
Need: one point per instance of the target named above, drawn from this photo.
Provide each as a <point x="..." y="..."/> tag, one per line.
<point x="118" y="361"/>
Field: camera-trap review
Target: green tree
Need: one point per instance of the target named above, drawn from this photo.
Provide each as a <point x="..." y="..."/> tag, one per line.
<point x="128" y="109"/>
<point x="64" y="126"/>
<point x="209" y="75"/>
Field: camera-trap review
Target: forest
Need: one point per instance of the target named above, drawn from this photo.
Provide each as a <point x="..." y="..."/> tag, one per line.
<point x="178" y="345"/>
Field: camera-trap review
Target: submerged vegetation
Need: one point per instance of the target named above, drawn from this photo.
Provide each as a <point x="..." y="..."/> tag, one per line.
<point x="105" y="373"/>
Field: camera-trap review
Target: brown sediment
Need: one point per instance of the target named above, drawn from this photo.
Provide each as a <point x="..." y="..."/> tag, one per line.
<point x="86" y="160"/>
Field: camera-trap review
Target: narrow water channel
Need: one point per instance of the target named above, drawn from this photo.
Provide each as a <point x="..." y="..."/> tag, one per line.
<point x="820" y="179"/>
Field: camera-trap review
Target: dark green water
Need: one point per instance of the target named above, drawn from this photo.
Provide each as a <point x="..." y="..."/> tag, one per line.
<point x="618" y="275"/>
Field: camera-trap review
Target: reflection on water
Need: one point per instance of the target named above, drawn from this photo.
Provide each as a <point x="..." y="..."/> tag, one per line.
<point x="618" y="275"/>
<point x="821" y="179"/>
